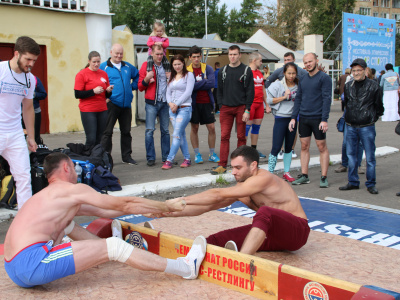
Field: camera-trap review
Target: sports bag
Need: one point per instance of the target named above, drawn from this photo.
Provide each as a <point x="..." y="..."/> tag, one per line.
<point x="8" y="197"/>
<point x="103" y="180"/>
<point x="38" y="179"/>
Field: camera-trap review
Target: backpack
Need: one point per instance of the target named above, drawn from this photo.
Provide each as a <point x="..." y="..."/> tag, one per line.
<point x="103" y="180"/>
<point x="96" y="156"/>
<point x="37" y="158"/>
<point x="8" y="196"/>
<point x="38" y="179"/>
<point x="244" y="76"/>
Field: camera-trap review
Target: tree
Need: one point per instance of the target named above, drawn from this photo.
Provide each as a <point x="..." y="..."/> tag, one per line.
<point x="243" y="23"/>
<point x="397" y="47"/>
<point x="324" y="15"/>
<point x="217" y="19"/>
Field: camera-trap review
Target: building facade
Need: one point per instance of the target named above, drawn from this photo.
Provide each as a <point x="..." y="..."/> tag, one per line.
<point x="387" y="9"/>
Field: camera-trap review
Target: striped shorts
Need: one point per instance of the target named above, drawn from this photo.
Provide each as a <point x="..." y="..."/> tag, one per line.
<point x="40" y="263"/>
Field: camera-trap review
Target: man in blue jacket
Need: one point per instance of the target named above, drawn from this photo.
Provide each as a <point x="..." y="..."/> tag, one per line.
<point x="125" y="78"/>
<point x="202" y="104"/>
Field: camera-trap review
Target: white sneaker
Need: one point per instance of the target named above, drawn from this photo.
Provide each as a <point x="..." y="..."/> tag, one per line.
<point x="231" y="245"/>
<point x="294" y="155"/>
<point x="280" y="155"/>
<point x="116" y="229"/>
<point x="195" y="256"/>
<point x="147" y="224"/>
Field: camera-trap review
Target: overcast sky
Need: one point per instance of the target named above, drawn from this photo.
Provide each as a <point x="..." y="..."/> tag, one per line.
<point x="236" y="3"/>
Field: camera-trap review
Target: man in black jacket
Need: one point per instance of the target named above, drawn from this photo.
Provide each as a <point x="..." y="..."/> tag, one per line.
<point x="364" y="106"/>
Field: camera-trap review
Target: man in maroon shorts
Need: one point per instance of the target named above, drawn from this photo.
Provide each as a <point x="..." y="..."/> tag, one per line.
<point x="279" y="223"/>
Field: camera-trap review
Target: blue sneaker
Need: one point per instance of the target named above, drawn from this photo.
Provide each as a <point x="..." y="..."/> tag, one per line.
<point x="198" y="159"/>
<point x="213" y="158"/>
<point x="261" y="155"/>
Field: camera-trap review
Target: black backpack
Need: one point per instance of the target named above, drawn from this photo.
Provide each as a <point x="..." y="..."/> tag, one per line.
<point x="96" y="156"/>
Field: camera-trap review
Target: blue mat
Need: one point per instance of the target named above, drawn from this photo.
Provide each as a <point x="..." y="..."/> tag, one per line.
<point x="362" y="224"/>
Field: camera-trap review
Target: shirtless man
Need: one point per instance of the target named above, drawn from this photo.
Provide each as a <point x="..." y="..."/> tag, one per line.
<point x="30" y="257"/>
<point x="280" y="222"/>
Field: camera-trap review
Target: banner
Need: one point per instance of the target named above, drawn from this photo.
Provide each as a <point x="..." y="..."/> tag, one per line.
<point x="369" y="38"/>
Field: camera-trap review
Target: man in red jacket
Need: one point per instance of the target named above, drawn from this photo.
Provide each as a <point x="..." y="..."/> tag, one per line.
<point x="156" y="104"/>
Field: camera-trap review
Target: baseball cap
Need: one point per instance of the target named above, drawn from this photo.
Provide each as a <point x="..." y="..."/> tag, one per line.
<point x="359" y="62"/>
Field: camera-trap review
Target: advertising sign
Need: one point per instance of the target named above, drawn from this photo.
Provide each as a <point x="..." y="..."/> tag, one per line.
<point x="369" y="38"/>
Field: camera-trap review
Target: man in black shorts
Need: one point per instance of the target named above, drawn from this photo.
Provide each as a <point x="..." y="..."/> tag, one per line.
<point x="202" y="104"/>
<point x="313" y="103"/>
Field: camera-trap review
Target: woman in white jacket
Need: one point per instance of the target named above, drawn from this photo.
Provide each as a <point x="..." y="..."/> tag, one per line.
<point x="179" y="98"/>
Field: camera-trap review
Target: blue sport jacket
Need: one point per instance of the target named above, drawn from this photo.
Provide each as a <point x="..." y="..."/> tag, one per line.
<point x="124" y="81"/>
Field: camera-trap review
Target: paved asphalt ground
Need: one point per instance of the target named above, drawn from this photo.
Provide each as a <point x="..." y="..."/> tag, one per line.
<point x="388" y="167"/>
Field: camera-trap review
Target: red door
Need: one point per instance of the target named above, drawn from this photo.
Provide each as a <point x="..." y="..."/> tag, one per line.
<point x="39" y="70"/>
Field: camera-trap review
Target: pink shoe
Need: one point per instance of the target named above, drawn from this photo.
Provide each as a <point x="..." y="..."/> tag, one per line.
<point x="288" y="177"/>
<point x="186" y="163"/>
<point x="167" y="165"/>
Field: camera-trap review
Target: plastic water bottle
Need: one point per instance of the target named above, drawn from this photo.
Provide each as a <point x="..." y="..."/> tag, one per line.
<point x="78" y="170"/>
<point x="88" y="167"/>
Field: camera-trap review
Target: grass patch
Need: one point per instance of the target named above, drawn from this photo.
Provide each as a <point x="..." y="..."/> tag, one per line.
<point x="221" y="180"/>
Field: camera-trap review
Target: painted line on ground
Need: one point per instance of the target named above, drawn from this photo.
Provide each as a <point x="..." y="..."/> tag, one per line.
<point x="363" y="205"/>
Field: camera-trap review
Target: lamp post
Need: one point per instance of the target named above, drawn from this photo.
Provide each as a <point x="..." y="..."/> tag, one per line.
<point x="205" y="5"/>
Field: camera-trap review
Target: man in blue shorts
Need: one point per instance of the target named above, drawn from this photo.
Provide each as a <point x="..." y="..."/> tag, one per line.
<point x="313" y="104"/>
<point x="32" y="251"/>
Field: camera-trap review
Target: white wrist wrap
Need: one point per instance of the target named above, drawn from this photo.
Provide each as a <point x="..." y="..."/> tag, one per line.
<point x="69" y="228"/>
<point x="118" y="250"/>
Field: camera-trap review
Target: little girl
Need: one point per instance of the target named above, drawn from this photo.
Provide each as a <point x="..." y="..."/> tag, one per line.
<point x="158" y="36"/>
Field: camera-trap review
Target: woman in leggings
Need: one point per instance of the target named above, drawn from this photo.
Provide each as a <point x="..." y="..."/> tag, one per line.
<point x="280" y="97"/>
<point x="92" y="88"/>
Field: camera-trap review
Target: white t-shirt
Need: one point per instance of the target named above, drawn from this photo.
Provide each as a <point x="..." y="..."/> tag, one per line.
<point x="11" y="95"/>
<point x="118" y="66"/>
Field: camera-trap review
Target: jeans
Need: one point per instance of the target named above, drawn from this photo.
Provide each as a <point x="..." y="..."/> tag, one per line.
<point x="345" y="160"/>
<point x="179" y="121"/>
<point x="124" y="117"/>
<point x="367" y="137"/>
<point x="152" y="111"/>
<point x="227" y="115"/>
<point x="94" y="124"/>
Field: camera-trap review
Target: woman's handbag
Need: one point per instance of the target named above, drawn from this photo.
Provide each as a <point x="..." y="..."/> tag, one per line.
<point x="397" y="129"/>
<point x="340" y="124"/>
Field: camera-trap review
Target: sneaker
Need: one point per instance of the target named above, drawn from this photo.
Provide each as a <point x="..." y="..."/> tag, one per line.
<point x="116" y="229"/>
<point x="261" y="155"/>
<point x="147" y="224"/>
<point x="323" y="182"/>
<point x="231" y="245"/>
<point x="341" y="169"/>
<point x="136" y="240"/>
<point x="280" y="155"/>
<point x="195" y="256"/>
<point x="186" y="163"/>
<point x="130" y="161"/>
<point x="198" y="159"/>
<point x="218" y="170"/>
<point x="217" y="113"/>
<point x="167" y="165"/>
<point x="288" y="177"/>
<point x="213" y="158"/>
<point x="294" y="155"/>
<point x="301" y="179"/>
<point x="151" y="163"/>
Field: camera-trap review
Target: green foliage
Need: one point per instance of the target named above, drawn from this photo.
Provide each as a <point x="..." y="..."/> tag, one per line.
<point x="221" y="180"/>
<point x="397" y="51"/>
<point x="242" y="24"/>
<point x="324" y="15"/>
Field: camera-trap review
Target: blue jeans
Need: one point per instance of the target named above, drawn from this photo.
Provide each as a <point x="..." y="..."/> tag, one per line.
<point x="179" y="121"/>
<point x="152" y="111"/>
<point x="345" y="160"/>
<point x="367" y="137"/>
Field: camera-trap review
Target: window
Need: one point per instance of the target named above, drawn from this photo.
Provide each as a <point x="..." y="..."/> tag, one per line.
<point x="376" y="15"/>
<point x="385" y="15"/>
<point x="365" y="11"/>
<point x="396" y="17"/>
<point x="396" y="3"/>
<point x="385" y="3"/>
<point x="398" y="30"/>
<point x="376" y="3"/>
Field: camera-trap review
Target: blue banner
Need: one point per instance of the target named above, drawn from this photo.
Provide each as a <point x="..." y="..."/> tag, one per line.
<point x="369" y="38"/>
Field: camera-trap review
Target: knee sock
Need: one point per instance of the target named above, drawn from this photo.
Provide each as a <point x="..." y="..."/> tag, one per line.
<point x="287" y="160"/>
<point x="196" y="151"/>
<point x="177" y="267"/>
<point x="247" y="130"/>
<point x="271" y="162"/>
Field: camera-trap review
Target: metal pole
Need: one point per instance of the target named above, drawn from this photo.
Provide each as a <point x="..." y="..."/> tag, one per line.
<point x="205" y="4"/>
<point x="332" y="32"/>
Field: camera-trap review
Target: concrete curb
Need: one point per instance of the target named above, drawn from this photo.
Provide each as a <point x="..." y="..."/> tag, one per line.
<point x="163" y="186"/>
